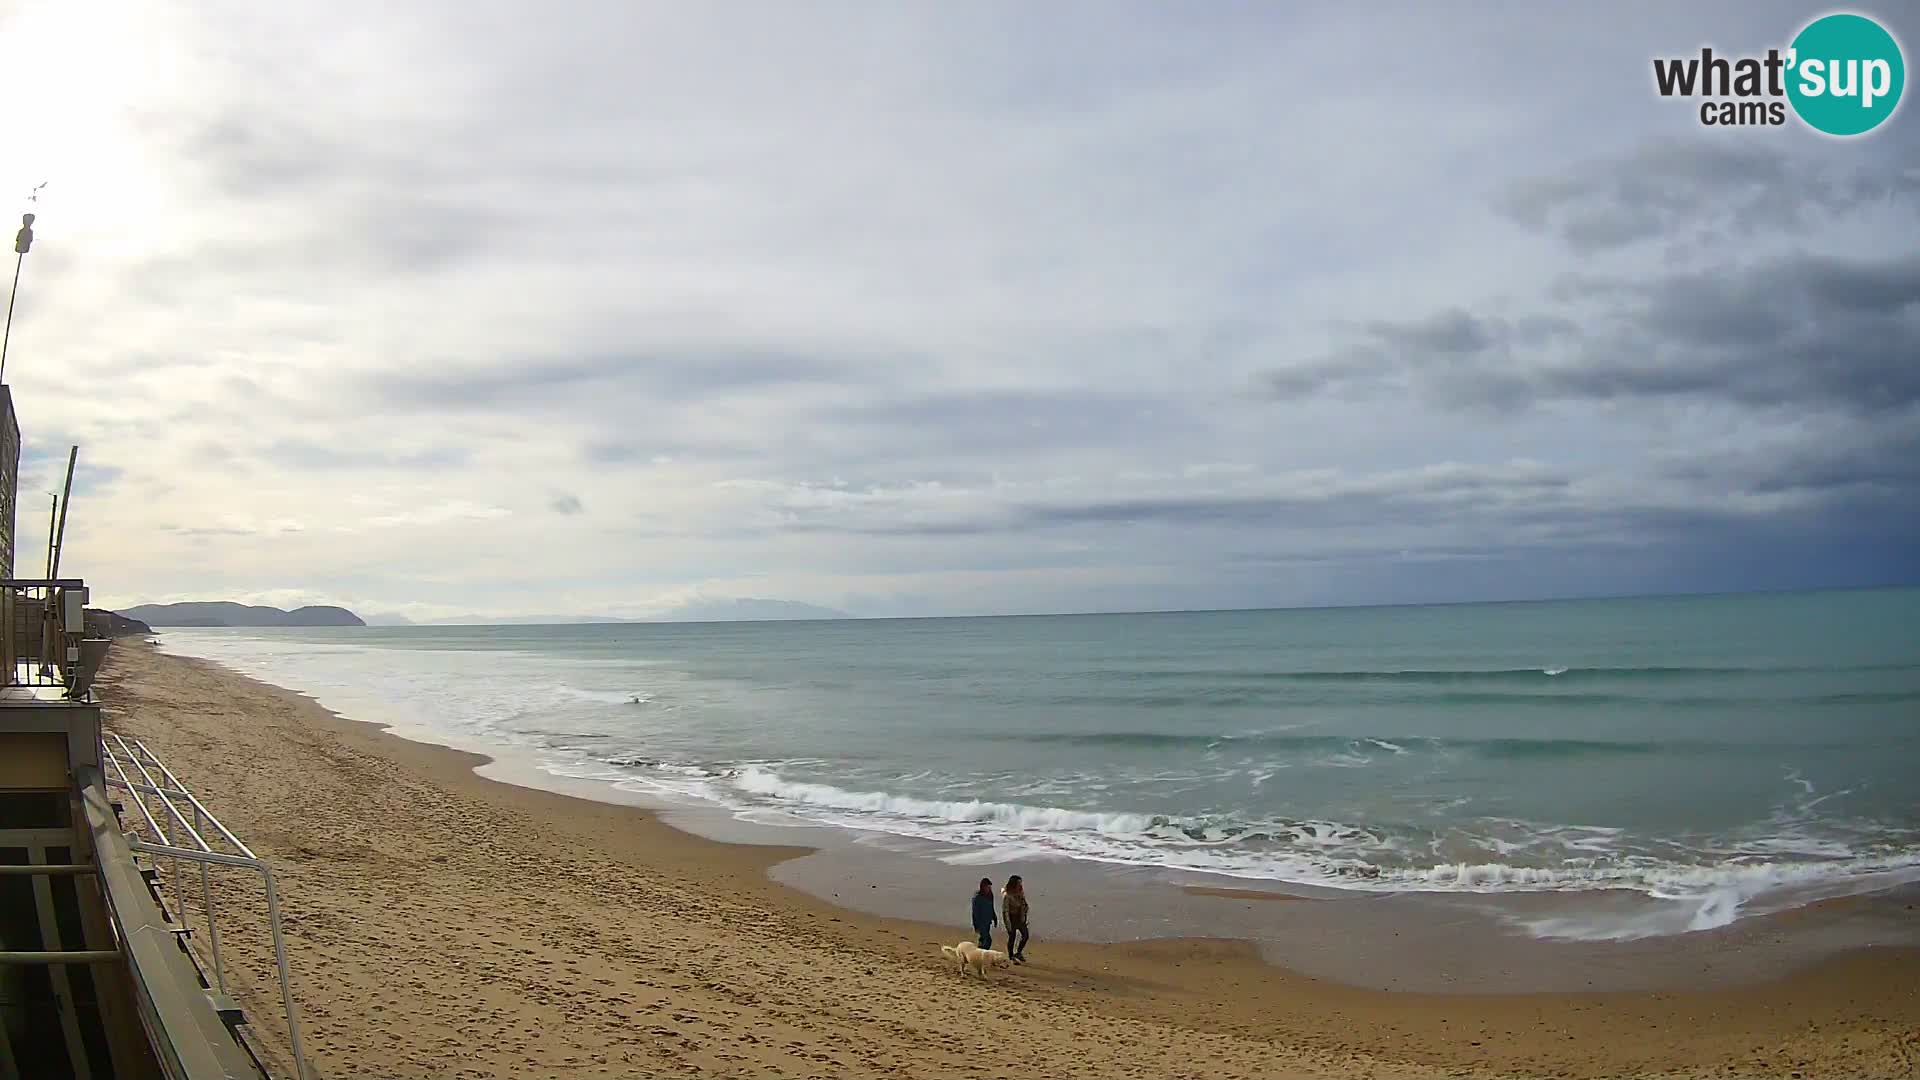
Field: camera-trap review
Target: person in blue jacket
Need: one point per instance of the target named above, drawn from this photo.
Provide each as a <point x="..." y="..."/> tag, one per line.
<point x="984" y="917"/>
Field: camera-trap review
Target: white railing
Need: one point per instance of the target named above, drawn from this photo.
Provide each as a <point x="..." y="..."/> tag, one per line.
<point x="120" y="754"/>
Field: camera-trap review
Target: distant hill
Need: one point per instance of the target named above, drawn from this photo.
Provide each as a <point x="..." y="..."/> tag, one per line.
<point x="112" y="624"/>
<point x="225" y="613"/>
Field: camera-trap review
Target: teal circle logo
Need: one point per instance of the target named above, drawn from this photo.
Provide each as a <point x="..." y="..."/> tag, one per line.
<point x="1846" y="74"/>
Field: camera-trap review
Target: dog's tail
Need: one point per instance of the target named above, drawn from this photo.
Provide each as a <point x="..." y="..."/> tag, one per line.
<point x="949" y="952"/>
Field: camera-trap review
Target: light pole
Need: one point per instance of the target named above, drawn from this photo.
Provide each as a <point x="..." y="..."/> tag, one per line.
<point x="22" y="242"/>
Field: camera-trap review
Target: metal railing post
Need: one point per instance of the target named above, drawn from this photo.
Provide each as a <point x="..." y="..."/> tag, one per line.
<point x="206" y="908"/>
<point x="217" y="858"/>
<point x="139" y="800"/>
<point x="195" y="829"/>
<point x="182" y="789"/>
<point x="280" y="959"/>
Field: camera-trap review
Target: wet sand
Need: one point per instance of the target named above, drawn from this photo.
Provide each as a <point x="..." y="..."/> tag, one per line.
<point x="442" y="924"/>
<point x="1449" y="943"/>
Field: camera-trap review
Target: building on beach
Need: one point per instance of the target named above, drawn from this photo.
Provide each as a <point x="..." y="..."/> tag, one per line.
<point x="9" y="478"/>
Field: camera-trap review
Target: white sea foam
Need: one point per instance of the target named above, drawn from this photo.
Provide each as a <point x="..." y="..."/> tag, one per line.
<point x="994" y="855"/>
<point x="1336" y="855"/>
<point x="1711" y="898"/>
<point x="757" y="781"/>
<point x="603" y="697"/>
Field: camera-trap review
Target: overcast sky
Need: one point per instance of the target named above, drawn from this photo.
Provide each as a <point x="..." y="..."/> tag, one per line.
<point x="445" y="308"/>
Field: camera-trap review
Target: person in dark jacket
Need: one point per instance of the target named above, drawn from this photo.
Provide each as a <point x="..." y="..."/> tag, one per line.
<point x="1015" y="902"/>
<point x="983" y="916"/>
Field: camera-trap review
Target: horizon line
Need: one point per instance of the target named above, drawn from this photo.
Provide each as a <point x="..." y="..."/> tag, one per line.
<point x="607" y="620"/>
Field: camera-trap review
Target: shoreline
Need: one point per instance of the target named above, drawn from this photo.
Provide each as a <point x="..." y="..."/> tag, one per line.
<point x="287" y="775"/>
<point x="1511" y="876"/>
<point x="1443" y="942"/>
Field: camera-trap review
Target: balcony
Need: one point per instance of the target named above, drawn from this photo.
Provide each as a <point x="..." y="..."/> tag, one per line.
<point x="47" y="656"/>
<point x="98" y="975"/>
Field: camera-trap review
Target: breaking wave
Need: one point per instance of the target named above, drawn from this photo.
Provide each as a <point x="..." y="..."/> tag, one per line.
<point x="1362" y="858"/>
<point x="757" y="781"/>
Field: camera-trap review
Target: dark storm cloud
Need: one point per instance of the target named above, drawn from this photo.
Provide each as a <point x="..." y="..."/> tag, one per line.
<point x="1675" y="187"/>
<point x="1873" y="462"/>
<point x="1801" y="331"/>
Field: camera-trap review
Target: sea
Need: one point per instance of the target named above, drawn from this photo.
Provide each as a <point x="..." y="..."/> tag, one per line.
<point x="1726" y="756"/>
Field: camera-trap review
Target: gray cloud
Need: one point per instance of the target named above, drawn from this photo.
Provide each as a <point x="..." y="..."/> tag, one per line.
<point x="1805" y="331"/>
<point x="1688" y="186"/>
<point x="1451" y="494"/>
<point x="956" y="313"/>
<point x="998" y="425"/>
<point x="1451" y="331"/>
<point x="606" y="380"/>
<point x="302" y="454"/>
<point x="1877" y="462"/>
<point x="1802" y="331"/>
<point x="1501" y="531"/>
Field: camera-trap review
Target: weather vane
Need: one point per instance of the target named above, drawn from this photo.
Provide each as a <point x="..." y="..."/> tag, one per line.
<point x="23" y="241"/>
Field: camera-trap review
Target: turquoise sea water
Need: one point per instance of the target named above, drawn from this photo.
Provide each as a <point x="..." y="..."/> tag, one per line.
<point x="1729" y="754"/>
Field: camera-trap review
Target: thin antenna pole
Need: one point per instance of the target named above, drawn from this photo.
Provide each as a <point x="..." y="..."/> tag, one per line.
<point x="66" y="499"/>
<point x="46" y="607"/>
<point x="7" y="338"/>
<point x="22" y="243"/>
<point x="53" y="511"/>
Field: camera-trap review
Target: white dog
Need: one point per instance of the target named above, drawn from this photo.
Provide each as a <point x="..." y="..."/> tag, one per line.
<point x="979" y="959"/>
<point x="957" y="954"/>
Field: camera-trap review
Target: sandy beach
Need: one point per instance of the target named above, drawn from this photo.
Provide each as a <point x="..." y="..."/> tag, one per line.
<point x="441" y="924"/>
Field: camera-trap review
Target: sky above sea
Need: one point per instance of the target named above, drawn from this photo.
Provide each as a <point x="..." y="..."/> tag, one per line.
<point x="476" y="309"/>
